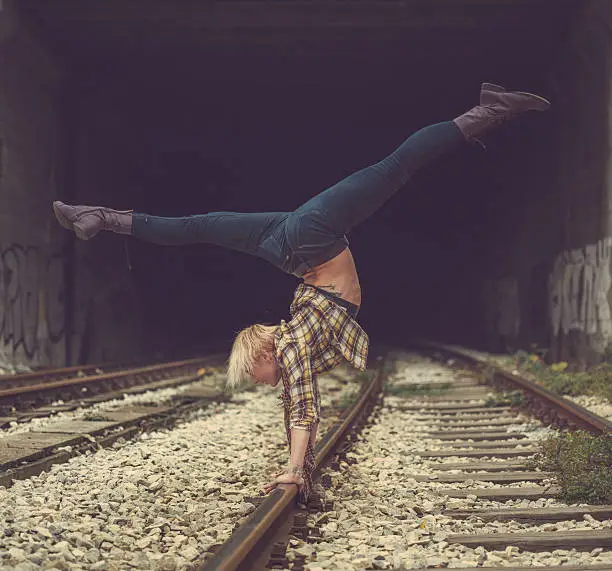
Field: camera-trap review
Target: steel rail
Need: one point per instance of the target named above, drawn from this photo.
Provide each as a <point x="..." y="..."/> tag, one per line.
<point x="244" y="541"/>
<point x="21" y="379"/>
<point x="21" y="398"/>
<point x="114" y="375"/>
<point x="88" y="369"/>
<point x="567" y="412"/>
<point x="74" y="371"/>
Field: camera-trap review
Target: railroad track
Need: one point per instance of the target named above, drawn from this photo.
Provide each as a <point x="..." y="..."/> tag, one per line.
<point x="539" y="401"/>
<point x="101" y="509"/>
<point x="256" y="542"/>
<point x="31" y="394"/>
<point x="34" y="449"/>
<point x="53" y="374"/>
<point x="40" y="376"/>
<point x="466" y="468"/>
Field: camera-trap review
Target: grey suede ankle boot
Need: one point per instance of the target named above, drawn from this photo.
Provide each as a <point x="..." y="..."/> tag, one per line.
<point x="87" y="221"/>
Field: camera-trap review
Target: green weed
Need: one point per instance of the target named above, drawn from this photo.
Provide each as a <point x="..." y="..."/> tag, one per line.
<point x="510" y="398"/>
<point x="95" y="418"/>
<point x="347" y="399"/>
<point x="597" y="381"/>
<point x="582" y="463"/>
<point x="363" y="377"/>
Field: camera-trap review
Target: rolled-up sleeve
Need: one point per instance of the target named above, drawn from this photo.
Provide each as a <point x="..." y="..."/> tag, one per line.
<point x="303" y="391"/>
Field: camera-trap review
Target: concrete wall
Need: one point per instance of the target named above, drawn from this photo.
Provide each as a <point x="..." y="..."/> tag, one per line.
<point x="548" y="276"/>
<point x="47" y="113"/>
<point x="32" y="316"/>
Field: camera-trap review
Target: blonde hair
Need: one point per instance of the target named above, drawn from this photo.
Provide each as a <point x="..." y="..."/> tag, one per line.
<point x="247" y="347"/>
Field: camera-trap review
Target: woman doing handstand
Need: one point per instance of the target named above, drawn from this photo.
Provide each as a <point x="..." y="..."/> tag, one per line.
<point x="311" y="244"/>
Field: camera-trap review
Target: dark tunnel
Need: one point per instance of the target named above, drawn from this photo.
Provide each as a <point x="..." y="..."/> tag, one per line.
<point x="184" y="108"/>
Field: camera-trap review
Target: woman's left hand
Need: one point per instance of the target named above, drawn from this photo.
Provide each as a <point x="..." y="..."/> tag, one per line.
<point x="284" y="478"/>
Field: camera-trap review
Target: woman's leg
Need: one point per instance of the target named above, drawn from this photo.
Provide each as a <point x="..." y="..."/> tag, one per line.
<point x="235" y="230"/>
<point x="355" y="198"/>
<point x="252" y="233"/>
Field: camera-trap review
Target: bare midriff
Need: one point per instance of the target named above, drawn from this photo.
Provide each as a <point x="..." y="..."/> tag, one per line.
<point x="337" y="276"/>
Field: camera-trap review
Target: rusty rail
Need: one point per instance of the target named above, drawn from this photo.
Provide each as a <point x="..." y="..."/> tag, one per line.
<point x="249" y="537"/>
<point x="14" y="397"/>
<point x="47" y="375"/>
<point x="546" y="404"/>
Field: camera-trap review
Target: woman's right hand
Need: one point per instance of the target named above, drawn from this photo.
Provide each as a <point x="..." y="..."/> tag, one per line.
<point x="284" y="478"/>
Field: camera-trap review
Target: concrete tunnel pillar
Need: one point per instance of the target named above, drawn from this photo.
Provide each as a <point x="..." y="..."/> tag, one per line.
<point x="579" y="281"/>
<point x="32" y="257"/>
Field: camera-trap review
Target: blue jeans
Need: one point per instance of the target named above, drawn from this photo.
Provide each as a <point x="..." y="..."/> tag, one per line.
<point x="316" y="231"/>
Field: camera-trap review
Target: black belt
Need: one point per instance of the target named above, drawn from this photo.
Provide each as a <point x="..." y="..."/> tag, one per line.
<point x="350" y="307"/>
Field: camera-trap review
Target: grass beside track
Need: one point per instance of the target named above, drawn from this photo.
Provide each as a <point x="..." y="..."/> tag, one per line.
<point x="509" y="398"/>
<point x="349" y="397"/>
<point x="582" y="463"/>
<point x="597" y="381"/>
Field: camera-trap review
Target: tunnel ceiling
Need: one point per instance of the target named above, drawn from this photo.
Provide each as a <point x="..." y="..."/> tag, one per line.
<point x="149" y="36"/>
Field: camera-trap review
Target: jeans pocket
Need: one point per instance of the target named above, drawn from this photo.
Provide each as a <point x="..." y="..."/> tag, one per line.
<point x="272" y="250"/>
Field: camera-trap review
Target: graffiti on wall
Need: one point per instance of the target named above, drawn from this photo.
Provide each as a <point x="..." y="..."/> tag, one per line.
<point x="31" y="299"/>
<point x="502" y="307"/>
<point x="578" y="290"/>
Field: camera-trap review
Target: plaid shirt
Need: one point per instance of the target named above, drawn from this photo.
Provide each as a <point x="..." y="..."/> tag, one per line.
<point x="319" y="335"/>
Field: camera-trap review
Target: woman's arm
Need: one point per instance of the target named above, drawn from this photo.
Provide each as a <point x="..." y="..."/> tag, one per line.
<point x="303" y="412"/>
<point x="299" y="442"/>
<point x="293" y="473"/>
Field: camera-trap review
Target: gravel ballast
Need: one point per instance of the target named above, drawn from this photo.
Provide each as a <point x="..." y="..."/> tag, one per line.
<point x="154" y="503"/>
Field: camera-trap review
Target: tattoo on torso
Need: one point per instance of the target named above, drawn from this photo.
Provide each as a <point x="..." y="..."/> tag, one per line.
<point x="331" y="288"/>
